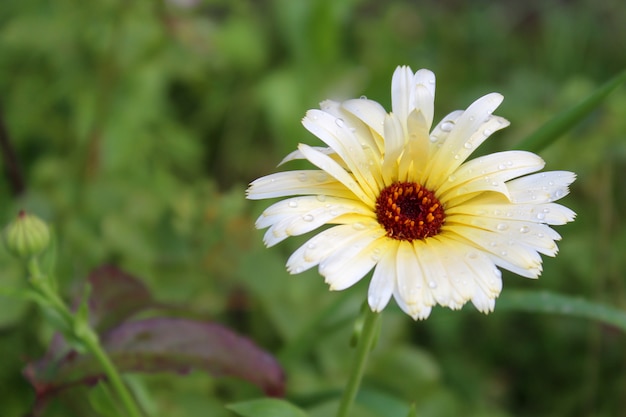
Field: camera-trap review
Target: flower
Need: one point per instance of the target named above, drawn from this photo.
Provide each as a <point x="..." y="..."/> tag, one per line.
<point x="406" y="201"/>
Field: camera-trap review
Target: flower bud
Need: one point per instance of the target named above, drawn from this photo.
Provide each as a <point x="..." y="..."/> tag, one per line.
<point x="26" y="236"/>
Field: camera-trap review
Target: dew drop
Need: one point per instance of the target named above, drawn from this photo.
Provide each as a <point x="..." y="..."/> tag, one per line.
<point x="540" y="235"/>
<point x="504" y="253"/>
<point x="358" y="226"/>
<point x="524" y="229"/>
<point x="472" y="255"/>
<point x="298" y="270"/>
<point x="432" y="284"/>
<point x="559" y="193"/>
<point x="293" y="204"/>
<point x="451" y="178"/>
<point x="468" y="145"/>
<point x="433" y="138"/>
<point x="487" y="132"/>
<point x="501" y="167"/>
<point x="339" y="122"/>
<point x="457" y="156"/>
<point x="321" y="177"/>
<point x="308" y="217"/>
<point x="321" y="197"/>
<point x="502" y="227"/>
<point x="447" y="126"/>
<point x="302" y="177"/>
<point x="540" y="216"/>
<point x="546" y="210"/>
<point x="311" y="246"/>
<point x="493" y="243"/>
<point x="363" y="97"/>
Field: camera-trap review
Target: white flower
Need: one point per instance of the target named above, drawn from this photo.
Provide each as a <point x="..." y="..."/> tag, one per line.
<point x="404" y="200"/>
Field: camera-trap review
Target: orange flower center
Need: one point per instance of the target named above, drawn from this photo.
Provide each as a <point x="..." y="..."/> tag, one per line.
<point x="409" y="211"/>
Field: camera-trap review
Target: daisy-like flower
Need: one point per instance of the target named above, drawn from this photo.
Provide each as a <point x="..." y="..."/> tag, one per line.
<point x="406" y="201"/>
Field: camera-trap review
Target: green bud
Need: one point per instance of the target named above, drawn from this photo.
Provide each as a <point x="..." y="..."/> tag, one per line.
<point x="26" y="236"/>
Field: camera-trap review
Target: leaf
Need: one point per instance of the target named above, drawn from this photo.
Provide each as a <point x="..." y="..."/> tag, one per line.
<point x="166" y="344"/>
<point x="116" y="296"/>
<point x="547" y="302"/>
<point x="565" y="120"/>
<point x="266" y="407"/>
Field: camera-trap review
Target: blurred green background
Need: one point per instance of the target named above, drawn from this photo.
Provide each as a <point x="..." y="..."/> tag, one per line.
<point x="136" y="126"/>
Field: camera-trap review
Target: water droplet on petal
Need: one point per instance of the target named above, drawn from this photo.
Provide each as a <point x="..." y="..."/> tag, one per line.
<point x="363" y="97"/>
<point x="321" y="197"/>
<point x="302" y="177"/>
<point x="358" y="226"/>
<point x="339" y="122"/>
<point x="487" y="132"/>
<point x="311" y="246"/>
<point x="524" y="229"/>
<point x="468" y="145"/>
<point x="472" y="255"/>
<point x="504" y="253"/>
<point x="298" y="270"/>
<point x="502" y="226"/>
<point x="452" y="178"/>
<point x="308" y="217"/>
<point x="540" y="216"/>
<point x="432" y="284"/>
<point x="293" y="204"/>
<point x="501" y="167"/>
<point x="447" y="126"/>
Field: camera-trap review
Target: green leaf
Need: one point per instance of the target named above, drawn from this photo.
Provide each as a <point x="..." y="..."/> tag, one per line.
<point x="266" y="407"/>
<point x="568" y="118"/>
<point x="547" y="302"/>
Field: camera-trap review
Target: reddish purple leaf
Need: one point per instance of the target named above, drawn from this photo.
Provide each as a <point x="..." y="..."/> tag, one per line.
<point x="167" y="344"/>
<point x="116" y="296"/>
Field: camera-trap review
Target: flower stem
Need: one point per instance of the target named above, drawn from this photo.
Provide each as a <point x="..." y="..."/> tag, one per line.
<point x="79" y="327"/>
<point x="365" y="344"/>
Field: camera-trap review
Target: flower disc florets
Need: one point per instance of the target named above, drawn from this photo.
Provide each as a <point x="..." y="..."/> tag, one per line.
<point x="409" y="211"/>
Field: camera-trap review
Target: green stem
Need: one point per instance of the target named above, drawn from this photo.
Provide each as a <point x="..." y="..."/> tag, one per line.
<point x="112" y="374"/>
<point x="364" y="346"/>
<point x="79" y="326"/>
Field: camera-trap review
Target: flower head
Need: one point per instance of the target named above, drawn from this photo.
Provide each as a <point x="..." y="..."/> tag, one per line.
<point x="403" y="199"/>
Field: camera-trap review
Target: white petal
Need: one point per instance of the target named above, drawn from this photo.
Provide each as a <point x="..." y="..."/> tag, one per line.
<point x="295" y="155"/>
<point x="384" y="279"/>
<point x="424" y="100"/>
<point x="474" y="126"/>
<point x="362" y="131"/>
<point x="369" y="112"/>
<point x="543" y="187"/>
<point x="497" y="167"/>
<point x="334" y="169"/>
<point x="401" y="88"/>
<point x="504" y="252"/>
<point x="344" y="267"/>
<point x="534" y="235"/>
<point x="322" y="245"/>
<point x="411" y="280"/>
<point x="299" y="182"/>
<point x="308" y="213"/>
<point x="394" y="145"/>
<point x="495" y="206"/>
<point x="336" y="133"/>
<point x="429" y="255"/>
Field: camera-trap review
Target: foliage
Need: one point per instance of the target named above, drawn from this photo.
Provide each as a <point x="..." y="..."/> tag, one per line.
<point x="136" y="125"/>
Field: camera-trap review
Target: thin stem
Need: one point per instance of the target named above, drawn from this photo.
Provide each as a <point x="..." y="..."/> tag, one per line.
<point x="112" y="374"/>
<point x="363" y="348"/>
<point x="79" y="326"/>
